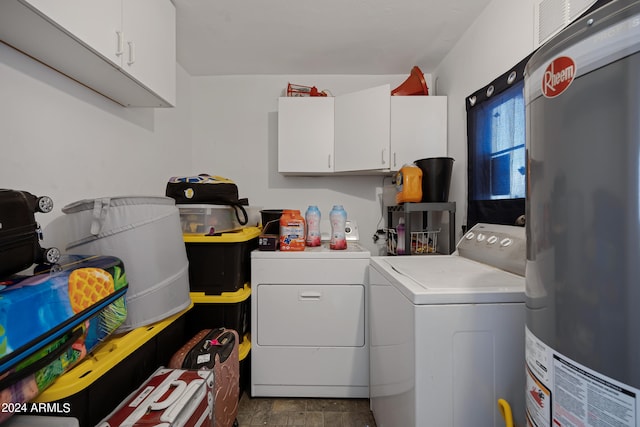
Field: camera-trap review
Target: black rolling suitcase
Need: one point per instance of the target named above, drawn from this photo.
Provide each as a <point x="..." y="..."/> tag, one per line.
<point x="20" y="233"/>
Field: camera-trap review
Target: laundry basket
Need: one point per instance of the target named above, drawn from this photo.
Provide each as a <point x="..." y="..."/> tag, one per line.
<point x="145" y="233"/>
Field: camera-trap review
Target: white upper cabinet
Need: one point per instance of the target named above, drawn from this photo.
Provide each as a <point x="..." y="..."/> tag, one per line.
<point x="418" y="129"/>
<point x="305" y="135"/>
<point x="124" y="49"/>
<point x="149" y="35"/>
<point x="94" y="22"/>
<point x="362" y="130"/>
<point x="365" y="132"/>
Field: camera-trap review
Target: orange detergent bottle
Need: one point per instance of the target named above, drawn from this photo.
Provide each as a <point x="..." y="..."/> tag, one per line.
<point x="409" y="184"/>
<point x="292" y="231"/>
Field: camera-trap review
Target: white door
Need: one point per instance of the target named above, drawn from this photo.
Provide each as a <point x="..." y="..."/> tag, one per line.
<point x="305" y="134"/>
<point x="418" y="128"/>
<point x="362" y="121"/>
<point x="150" y="44"/>
<point x="311" y="315"/>
<point x="95" y="23"/>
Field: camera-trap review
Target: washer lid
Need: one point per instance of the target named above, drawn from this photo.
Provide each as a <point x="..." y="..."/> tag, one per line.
<point x="451" y="279"/>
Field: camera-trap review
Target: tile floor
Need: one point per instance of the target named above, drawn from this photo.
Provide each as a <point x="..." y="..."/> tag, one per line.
<point x="263" y="411"/>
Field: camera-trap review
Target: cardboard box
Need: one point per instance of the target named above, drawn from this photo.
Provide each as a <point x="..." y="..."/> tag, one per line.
<point x="269" y="239"/>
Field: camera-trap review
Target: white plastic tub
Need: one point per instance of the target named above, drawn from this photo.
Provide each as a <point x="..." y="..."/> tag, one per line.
<point x="207" y="219"/>
<point x="145" y="233"/>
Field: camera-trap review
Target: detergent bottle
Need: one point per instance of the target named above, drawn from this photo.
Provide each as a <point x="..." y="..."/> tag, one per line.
<point x="400" y="230"/>
<point x="312" y="218"/>
<point x="338" y="219"/>
<point x="292" y="236"/>
<point x="408" y="184"/>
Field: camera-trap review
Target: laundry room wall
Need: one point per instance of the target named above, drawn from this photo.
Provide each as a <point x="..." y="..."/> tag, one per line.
<point x="500" y="38"/>
<point x="60" y="139"/>
<point x="235" y="121"/>
<point x="234" y="126"/>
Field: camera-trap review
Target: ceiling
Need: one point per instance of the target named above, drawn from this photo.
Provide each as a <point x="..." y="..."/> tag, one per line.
<point x="234" y="37"/>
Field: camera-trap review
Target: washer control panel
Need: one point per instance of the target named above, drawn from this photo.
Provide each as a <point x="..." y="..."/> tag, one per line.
<point x="501" y="246"/>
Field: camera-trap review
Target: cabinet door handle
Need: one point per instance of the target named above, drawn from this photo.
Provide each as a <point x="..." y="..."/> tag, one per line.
<point x="395" y="164"/>
<point x="132" y="53"/>
<point x="120" y="43"/>
<point x="329" y="161"/>
<point x="310" y="296"/>
<point x="384" y="151"/>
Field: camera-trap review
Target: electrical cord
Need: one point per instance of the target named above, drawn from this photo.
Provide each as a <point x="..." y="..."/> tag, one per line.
<point x="381" y="231"/>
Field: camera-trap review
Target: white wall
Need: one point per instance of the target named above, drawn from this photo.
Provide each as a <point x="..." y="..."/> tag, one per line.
<point x="500" y="38"/>
<point x="235" y="121"/>
<point x="234" y="125"/>
<point x="60" y="139"/>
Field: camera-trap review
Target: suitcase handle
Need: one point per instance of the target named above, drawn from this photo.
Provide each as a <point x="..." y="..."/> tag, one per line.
<point x="100" y="210"/>
<point x="191" y="398"/>
<point x="180" y="387"/>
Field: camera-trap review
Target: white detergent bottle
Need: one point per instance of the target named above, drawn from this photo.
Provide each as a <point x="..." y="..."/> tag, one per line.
<point x="312" y="219"/>
<point x="338" y="219"/>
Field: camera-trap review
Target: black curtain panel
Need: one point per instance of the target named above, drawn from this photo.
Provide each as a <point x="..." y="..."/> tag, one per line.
<point x="496" y="151"/>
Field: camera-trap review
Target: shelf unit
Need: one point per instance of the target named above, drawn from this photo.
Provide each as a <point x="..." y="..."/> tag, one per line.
<point x="428" y="209"/>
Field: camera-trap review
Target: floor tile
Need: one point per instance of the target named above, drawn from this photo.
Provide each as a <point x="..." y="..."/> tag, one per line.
<point x="333" y="419"/>
<point x="315" y="412"/>
<point x="313" y="419"/>
<point x="289" y="405"/>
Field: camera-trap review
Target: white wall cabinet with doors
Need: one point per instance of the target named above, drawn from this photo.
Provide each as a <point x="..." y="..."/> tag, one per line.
<point x="124" y="50"/>
<point x="366" y="132"/>
<point x="418" y="129"/>
<point x="362" y="123"/>
<point x="305" y="135"/>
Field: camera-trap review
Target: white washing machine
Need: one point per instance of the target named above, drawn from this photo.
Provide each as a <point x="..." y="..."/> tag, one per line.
<point x="447" y="333"/>
<point x="309" y="321"/>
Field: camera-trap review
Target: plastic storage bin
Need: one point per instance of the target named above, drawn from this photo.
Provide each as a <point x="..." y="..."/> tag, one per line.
<point x="207" y="219"/>
<point x="40" y="421"/>
<point x="229" y="309"/>
<point x="222" y="263"/>
<point x="244" y="358"/>
<point x="107" y="376"/>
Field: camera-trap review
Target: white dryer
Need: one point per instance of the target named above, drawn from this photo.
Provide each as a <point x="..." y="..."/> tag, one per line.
<point x="447" y="333"/>
<point x="309" y="321"/>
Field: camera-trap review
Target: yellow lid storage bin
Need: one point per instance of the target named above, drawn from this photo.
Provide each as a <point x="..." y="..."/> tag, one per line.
<point x="230" y="310"/>
<point x="221" y="263"/>
<point x="106" y="376"/>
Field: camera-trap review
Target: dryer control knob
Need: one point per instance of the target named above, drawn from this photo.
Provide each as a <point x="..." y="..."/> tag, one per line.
<point x="506" y="242"/>
<point x="491" y="240"/>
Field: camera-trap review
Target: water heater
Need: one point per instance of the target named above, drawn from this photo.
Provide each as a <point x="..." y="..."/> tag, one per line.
<point x="582" y="92"/>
